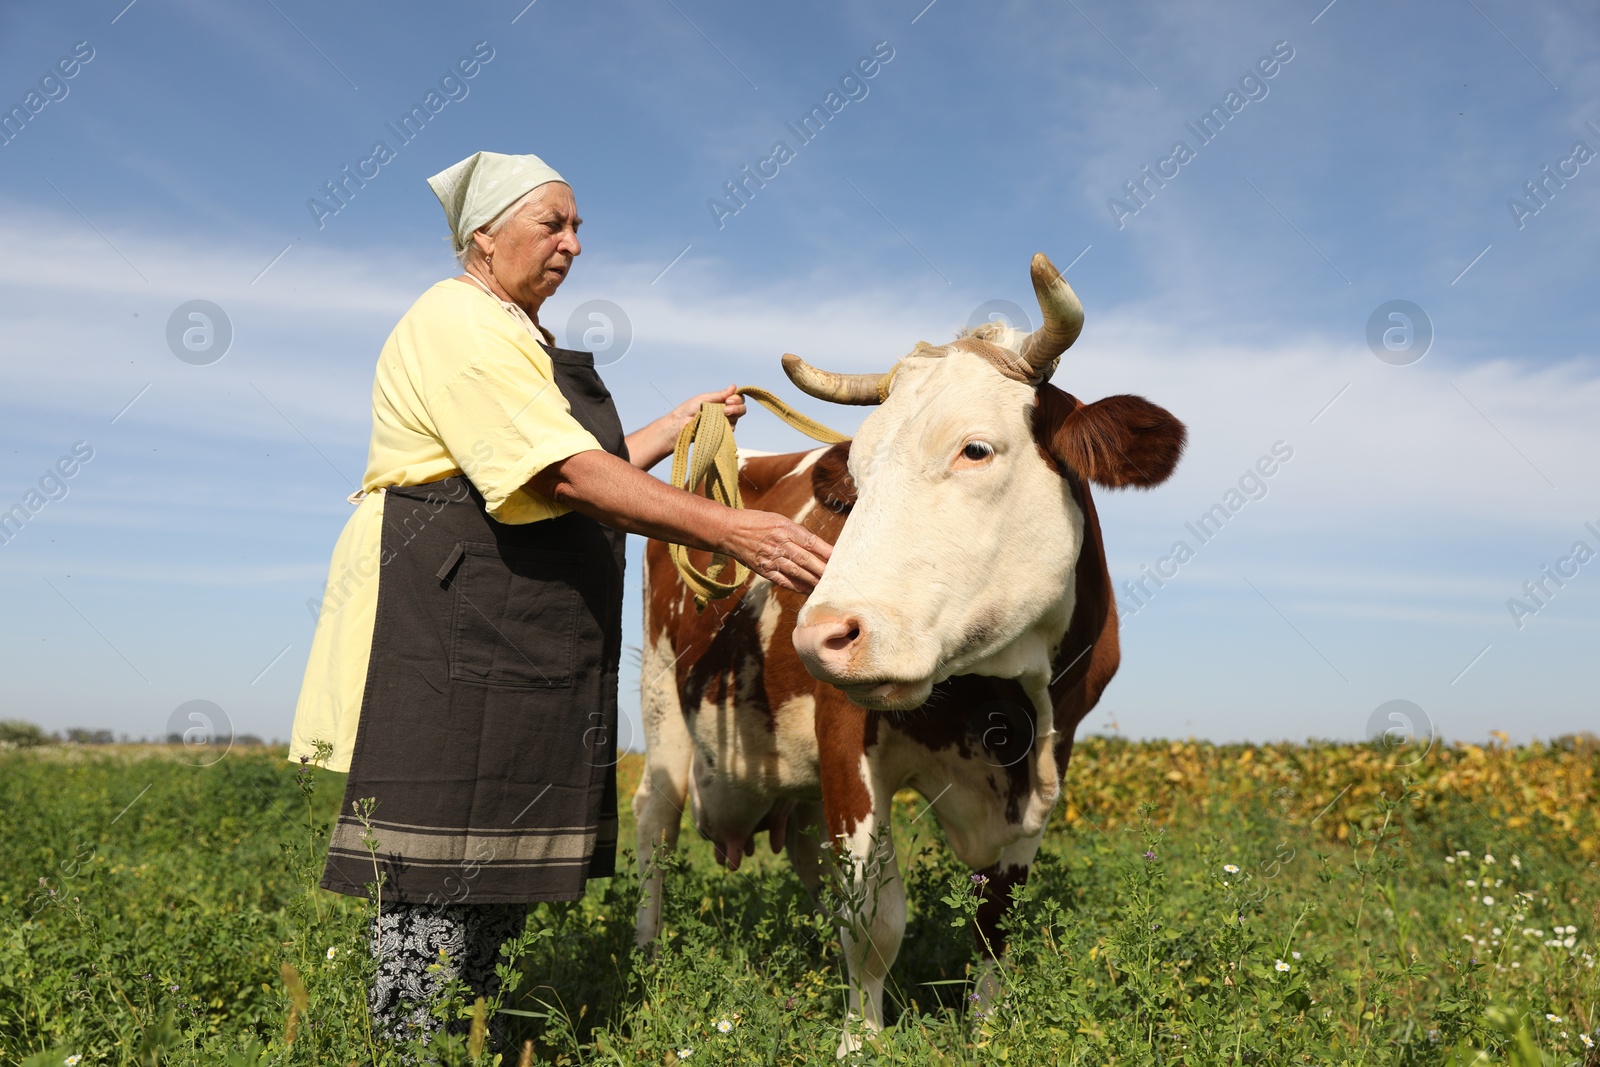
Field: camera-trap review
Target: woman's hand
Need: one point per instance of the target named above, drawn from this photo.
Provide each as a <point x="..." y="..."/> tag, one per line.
<point x="653" y="443"/>
<point x="603" y="487"/>
<point x="783" y="552"/>
<point x="732" y="406"/>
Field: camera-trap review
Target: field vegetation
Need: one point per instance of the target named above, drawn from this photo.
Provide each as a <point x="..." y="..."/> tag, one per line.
<point x="1194" y="904"/>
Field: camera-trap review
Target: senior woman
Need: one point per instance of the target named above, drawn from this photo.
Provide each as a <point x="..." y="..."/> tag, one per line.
<point x="464" y="668"/>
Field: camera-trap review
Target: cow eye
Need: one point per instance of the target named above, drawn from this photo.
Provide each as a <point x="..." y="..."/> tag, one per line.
<point x="977" y="451"/>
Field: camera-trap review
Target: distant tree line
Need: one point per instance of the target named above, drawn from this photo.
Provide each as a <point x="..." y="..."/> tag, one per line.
<point x="18" y="733"/>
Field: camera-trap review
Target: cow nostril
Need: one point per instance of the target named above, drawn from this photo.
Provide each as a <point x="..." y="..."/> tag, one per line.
<point x="848" y="634"/>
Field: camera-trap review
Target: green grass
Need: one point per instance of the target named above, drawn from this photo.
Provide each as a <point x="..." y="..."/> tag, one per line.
<point x="150" y="908"/>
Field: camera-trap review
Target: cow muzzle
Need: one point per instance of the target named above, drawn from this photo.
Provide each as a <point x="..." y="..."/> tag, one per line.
<point x="838" y="648"/>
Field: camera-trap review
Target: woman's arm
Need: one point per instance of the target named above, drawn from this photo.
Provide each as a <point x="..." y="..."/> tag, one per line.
<point x="653" y="443"/>
<point x="615" y="492"/>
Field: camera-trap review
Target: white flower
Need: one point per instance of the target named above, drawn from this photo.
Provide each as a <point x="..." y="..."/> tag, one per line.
<point x="1449" y="859"/>
<point x="1296" y="955"/>
<point x="1568" y="942"/>
<point x="685" y="1053"/>
<point x="1280" y="966"/>
<point x="1588" y="1042"/>
<point x="1516" y="861"/>
<point x="1462" y="853"/>
<point x="724" y="1026"/>
<point x="1552" y="1018"/>
<point x="1471" y="884"/>
<point x="1489" y="901"/>
<point x="74" y="1060"/>
<point x="1230" y="868"/>
<point x="1488" y="858"/>
<point x="1496" y="931"/>
<point x="332" y="952"/>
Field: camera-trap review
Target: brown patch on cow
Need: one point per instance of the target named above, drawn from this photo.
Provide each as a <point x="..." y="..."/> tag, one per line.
<point x="1116" y="442"/>
<point x="982" y="718"/>
<point x="1089" y="653"/>
<point x="841" y="741"/>
<point x="831" y="484"/>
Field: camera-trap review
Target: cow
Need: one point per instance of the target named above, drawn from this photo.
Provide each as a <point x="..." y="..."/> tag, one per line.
<point x="964" y="627"/>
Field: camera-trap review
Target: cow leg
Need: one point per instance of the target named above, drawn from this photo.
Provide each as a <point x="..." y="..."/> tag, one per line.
<point x="994" y="903"/>
<point x="872" y="914"/>
<point x="664" y="786"/>
<point x="804" y="846"/>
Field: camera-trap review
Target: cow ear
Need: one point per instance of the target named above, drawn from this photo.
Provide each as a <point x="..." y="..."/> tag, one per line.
<point x="831" y="483"/>
<point x="1116" y="442"/>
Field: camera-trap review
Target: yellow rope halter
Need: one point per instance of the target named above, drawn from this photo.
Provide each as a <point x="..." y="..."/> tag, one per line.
<point x="714" y="466"/>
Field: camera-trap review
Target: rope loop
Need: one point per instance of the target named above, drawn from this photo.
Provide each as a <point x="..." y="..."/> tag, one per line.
<point x="706" y="458"/>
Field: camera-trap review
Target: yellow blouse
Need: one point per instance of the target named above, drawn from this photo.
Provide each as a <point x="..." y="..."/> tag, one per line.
<point x="463" y="386"/>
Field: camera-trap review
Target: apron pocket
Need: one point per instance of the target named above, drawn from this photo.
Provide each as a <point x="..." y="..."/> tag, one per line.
<point x="515" y="617"/>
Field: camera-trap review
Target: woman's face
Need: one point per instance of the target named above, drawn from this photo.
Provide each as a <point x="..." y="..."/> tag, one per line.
<point x="533" y="251"/>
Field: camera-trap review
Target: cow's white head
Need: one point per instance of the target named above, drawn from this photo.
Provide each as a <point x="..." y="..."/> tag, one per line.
<point x="960" y="552"/>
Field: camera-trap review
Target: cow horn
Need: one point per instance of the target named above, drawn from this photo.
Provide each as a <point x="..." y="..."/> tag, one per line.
<point x="837" y="388"/>
<point x="1063" y="318"/>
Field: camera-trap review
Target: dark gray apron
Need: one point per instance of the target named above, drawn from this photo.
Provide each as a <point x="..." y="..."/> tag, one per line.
<point x="487" y="737"/>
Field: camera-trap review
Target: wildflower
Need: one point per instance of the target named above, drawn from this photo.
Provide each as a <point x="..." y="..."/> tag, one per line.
<point x="1280" y="966"/>
<point x="1496" y="931"/>
<point x="1488" y="901"/>
<point x="1149" y="856"/>
<point x="1516" y="861"/>
<point x="1568" y="942"/>
<point x="1463" y="853"/>
<point x="1552" y="1018"/>
<point x="1449" y="859"/>
<point x="1296" y="955"/>
<point x="1488" y="858"/>
<point x="1433" y="1035"/>
<point x="72" y="1061"/>
<point x="1471" y="884"/>
<point x="974" y="997"/>
<point x="331" y="951"/>
<point x="173" y="988"/>
<point x="724" y="1026"/>
<point x="979" y="879"/>
<point x="685" y="1053"/>
<point x="1230" y="868"/>
<point x="1588" y="1042"/>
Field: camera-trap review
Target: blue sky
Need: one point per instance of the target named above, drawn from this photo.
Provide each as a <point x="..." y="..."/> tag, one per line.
<point x="1376" y="163"/>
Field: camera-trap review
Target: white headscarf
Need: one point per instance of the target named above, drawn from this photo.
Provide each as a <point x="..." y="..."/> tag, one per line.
<point x="484" y="184"/>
